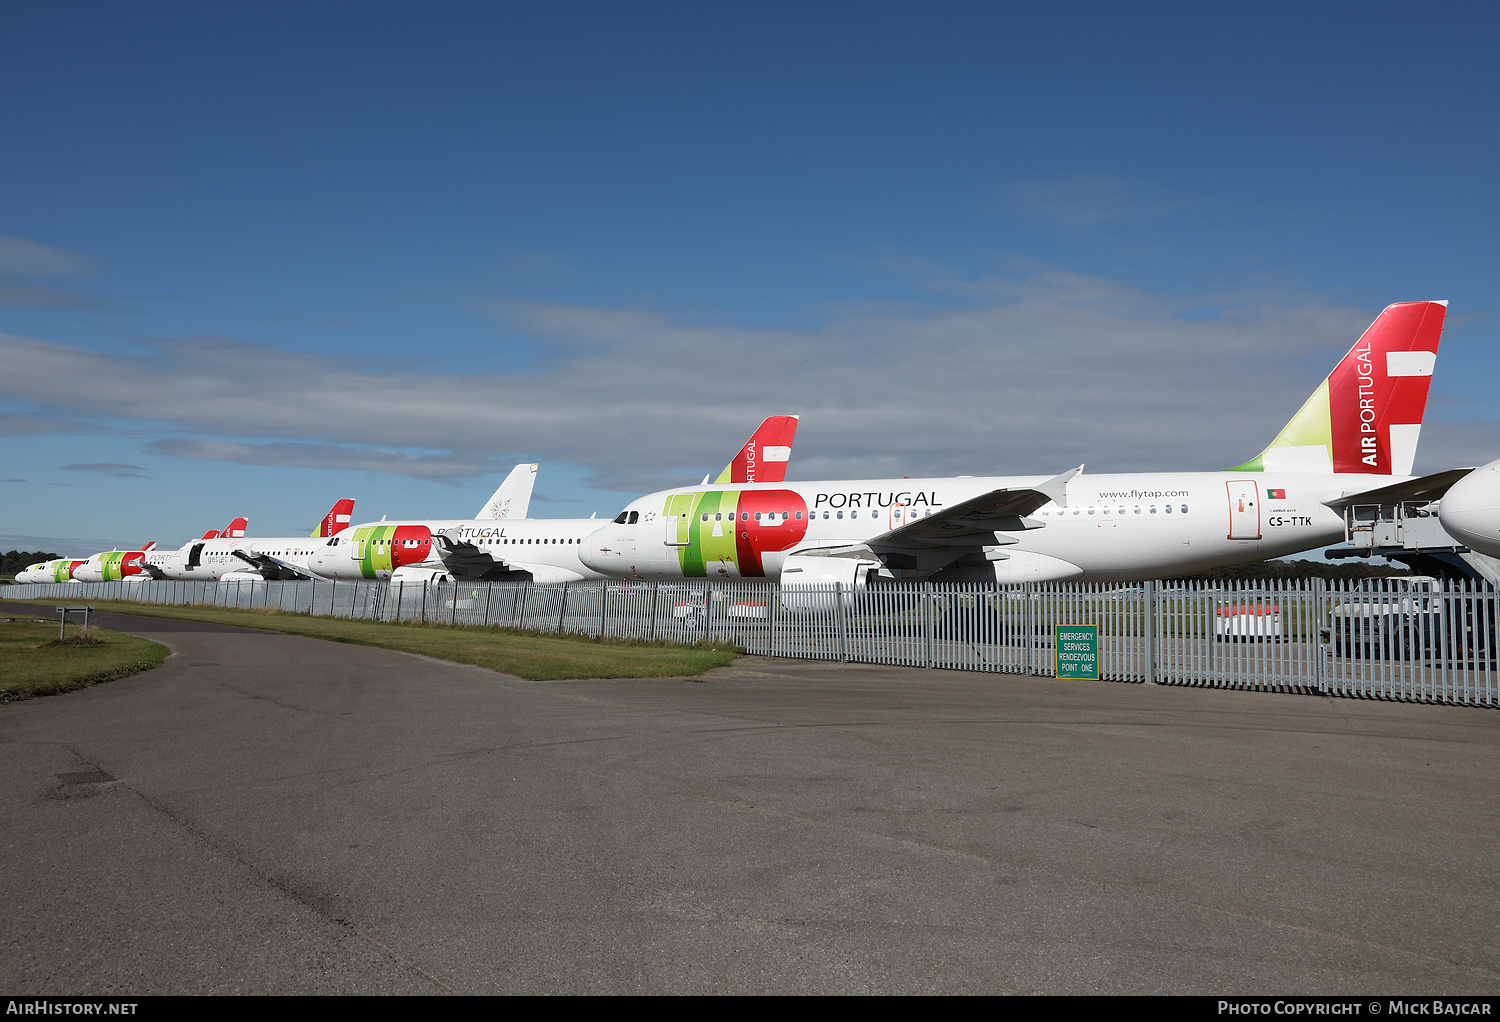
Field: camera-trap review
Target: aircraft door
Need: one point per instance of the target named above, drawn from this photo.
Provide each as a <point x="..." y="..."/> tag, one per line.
<point x="677" y="520"/>
<point x="898" y="516"/>
<point x="195" y="555"/>
<point x="1244" y="509"/>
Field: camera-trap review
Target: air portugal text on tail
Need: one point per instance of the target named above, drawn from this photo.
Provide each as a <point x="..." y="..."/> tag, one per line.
<point x="1367" y="415"/>
<point x="765" y="455"/>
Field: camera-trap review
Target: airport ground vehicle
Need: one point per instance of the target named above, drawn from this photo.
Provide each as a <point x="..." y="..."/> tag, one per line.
<point x="1397" y="617"/>
<point x="1248" y="622"/>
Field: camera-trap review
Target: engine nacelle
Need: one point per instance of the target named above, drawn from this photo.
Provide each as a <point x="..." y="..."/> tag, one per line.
<point x="807" y="582"/>
<point x="420" y="575"/>
<point x="1025" y="566"/>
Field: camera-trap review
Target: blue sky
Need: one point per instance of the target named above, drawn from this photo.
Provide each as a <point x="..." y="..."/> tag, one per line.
<point x="254" y="258"/>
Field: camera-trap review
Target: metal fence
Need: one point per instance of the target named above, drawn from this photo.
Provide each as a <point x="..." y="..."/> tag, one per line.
<point x="1386" y="638"/>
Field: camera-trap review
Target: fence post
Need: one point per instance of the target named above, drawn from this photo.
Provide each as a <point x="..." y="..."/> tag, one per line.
<point x="1151" y="618"/>
<point x="563" y="609"/>
<point x="655" y="592"/>
<point x="603" y="606"/>
<point x="842" y="626"/>
<point x="927" y="622"/>
<point x="521" y="615"/>
<point x="489" y="588"/>
<point x="1028" y="627"/>
<point x="1320" y="652"/>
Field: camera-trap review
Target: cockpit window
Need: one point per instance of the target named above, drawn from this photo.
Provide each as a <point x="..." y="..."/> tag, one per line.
<point x="621" y="519"/>
<point x="634" y="517"/>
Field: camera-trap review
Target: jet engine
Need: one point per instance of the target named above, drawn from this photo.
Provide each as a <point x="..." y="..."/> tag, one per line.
<point x="807" y="582"/>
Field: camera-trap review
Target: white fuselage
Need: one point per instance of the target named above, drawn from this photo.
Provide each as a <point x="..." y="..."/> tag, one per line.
<point x="548" y="548"/>
<point x="1108" y="527"/>
<point x="206" y="560"/>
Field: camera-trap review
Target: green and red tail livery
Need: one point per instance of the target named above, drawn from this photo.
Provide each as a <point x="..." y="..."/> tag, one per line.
<point x="1366" y="416"/>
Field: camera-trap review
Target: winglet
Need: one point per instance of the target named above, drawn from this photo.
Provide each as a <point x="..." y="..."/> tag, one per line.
<point x="513" y="499"/>
<point x="764" y="457"/>
<point x="1056" y="488"/>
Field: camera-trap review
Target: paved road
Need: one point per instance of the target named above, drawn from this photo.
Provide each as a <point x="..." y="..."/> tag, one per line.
<point x="267" y="813"/>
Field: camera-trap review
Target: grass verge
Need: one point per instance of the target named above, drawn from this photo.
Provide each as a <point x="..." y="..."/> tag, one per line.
<point x="34" y="663"/>
<point x="529" y="655"/>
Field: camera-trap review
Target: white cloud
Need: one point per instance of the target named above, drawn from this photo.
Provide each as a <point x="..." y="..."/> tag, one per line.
<point x="1034" y="375"/>
<point x="315" y="455"/>
<point x="32" y="259"/>
<point x="109" y="468"/>
<point x="1086" y="202"/>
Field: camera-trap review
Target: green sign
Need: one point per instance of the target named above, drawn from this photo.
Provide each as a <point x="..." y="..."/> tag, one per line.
<point x="1077" y="649"/>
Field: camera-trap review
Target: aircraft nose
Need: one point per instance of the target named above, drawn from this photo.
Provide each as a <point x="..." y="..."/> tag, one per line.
<point x="1470" y="510"/>
<point x="590" y="553"/>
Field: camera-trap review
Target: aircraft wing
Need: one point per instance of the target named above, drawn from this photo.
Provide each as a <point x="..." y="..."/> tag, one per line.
<point x="1423" y="488"/>
<point x="274" y="569"/>
<point x="975" y="521"/>
<point x="467" y="561"/>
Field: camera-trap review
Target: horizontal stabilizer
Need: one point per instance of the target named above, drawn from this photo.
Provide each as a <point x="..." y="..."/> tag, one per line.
<point x="1423" y="488"/>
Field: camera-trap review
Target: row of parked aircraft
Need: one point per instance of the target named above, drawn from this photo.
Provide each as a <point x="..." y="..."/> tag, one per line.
<point x="1353" y="442"/>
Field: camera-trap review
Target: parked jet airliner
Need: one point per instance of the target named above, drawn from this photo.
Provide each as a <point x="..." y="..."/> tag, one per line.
<point x="58" y="570"/>
<point x="231" y="556"/>
<point x="1358" y="431"/>
<point x="529" y="549"/>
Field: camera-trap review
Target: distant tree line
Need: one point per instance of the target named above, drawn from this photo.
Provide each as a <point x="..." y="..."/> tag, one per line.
<point x="19" y="560"/>
<point x="1297" y="570"/>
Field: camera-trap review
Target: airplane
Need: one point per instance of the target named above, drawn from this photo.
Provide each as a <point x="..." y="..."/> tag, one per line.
<point x="227" y="555"/>
<point x="1357" y="431"/>
<point x="518" y="549"/>
<point x="114" y="566"/>
<point x="1470" y="510"/>
<point x="57" y="570"/>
